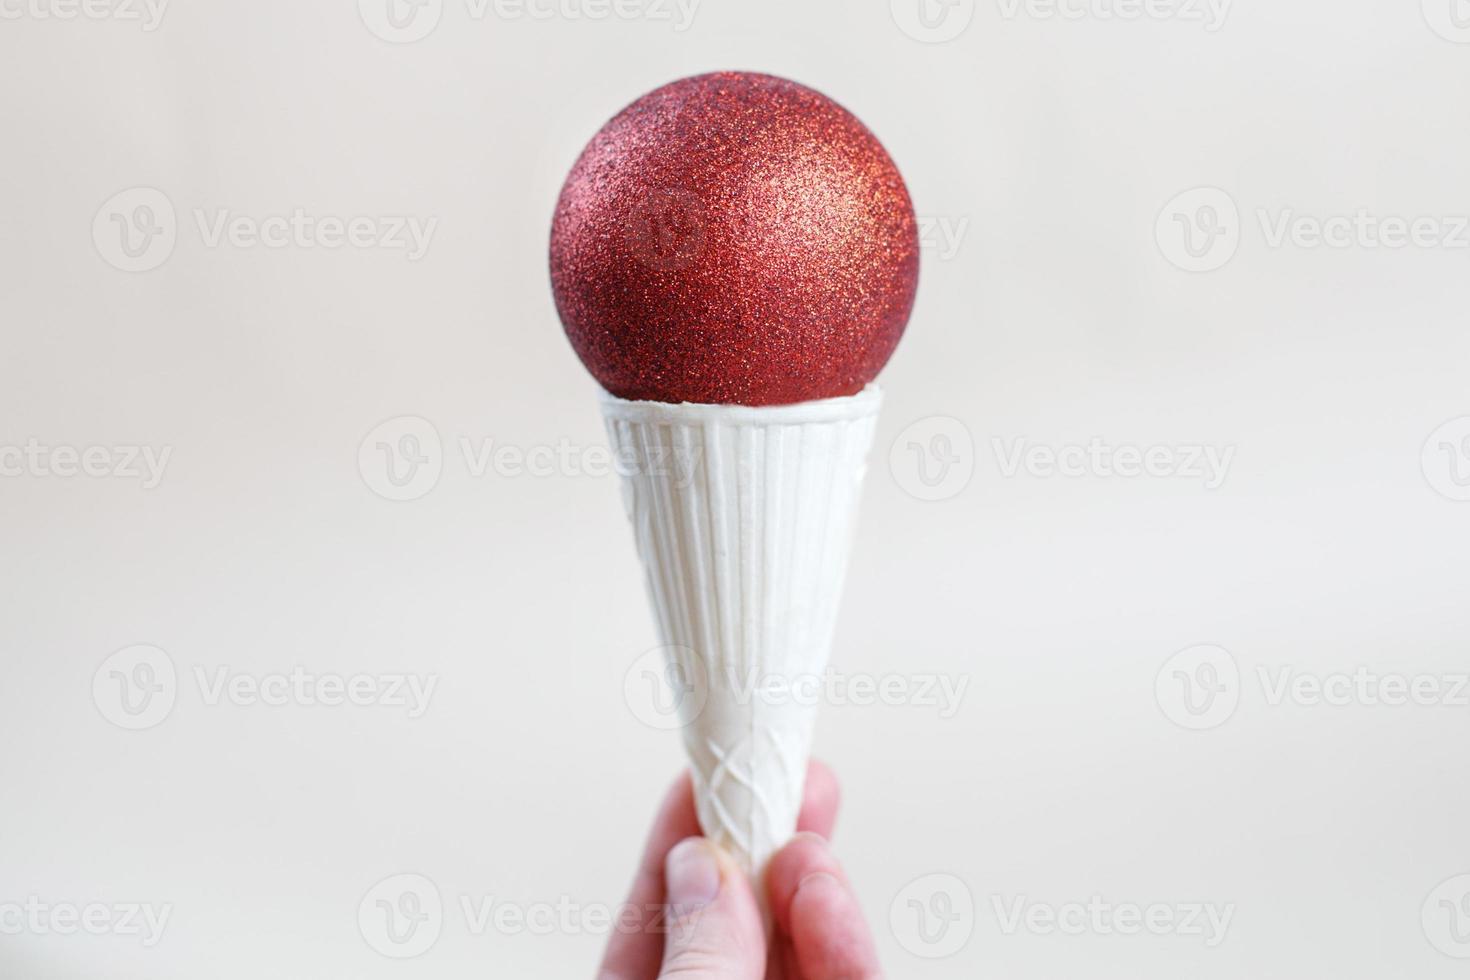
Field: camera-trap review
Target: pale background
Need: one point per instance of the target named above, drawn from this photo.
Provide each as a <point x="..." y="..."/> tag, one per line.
<point x="1049" y="148"/>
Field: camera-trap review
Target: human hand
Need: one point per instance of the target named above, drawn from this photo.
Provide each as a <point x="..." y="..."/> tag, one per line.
<point x="713" y="929"/>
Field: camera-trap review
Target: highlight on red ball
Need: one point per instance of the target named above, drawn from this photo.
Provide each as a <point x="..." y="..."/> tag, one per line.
<point x="734" y="238"/>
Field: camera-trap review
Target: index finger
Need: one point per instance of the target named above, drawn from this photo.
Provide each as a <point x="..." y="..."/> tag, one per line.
<point x="636" y="950"/>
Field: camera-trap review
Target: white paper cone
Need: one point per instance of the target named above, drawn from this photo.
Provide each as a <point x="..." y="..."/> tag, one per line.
<point x="743" y="518"/>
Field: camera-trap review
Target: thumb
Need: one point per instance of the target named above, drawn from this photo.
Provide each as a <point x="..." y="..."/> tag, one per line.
<point x="715" y="930"/>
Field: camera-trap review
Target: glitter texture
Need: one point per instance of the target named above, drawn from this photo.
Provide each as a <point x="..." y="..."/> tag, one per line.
<point x="734" y="238"/>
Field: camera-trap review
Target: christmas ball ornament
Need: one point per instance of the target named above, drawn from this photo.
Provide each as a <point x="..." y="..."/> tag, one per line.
<point x="734" y="239"/>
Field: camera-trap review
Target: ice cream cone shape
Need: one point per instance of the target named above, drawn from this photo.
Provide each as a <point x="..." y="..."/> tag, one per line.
<point x="734" y="258"/>
<point x="743" y="519"/>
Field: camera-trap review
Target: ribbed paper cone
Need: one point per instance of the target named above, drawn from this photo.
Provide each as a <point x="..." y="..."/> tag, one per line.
<point x="743" y="519"/>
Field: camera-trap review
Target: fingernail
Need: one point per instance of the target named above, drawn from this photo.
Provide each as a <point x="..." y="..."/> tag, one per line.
<point x="819" y="881"/>
<point x="692" y="872"/>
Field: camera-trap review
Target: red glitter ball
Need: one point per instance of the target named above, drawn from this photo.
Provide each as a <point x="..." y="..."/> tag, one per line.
<point x="734" y="238"/>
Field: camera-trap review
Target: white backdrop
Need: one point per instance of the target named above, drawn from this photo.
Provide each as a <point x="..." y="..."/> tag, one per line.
<point x="1209" y="716"/>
